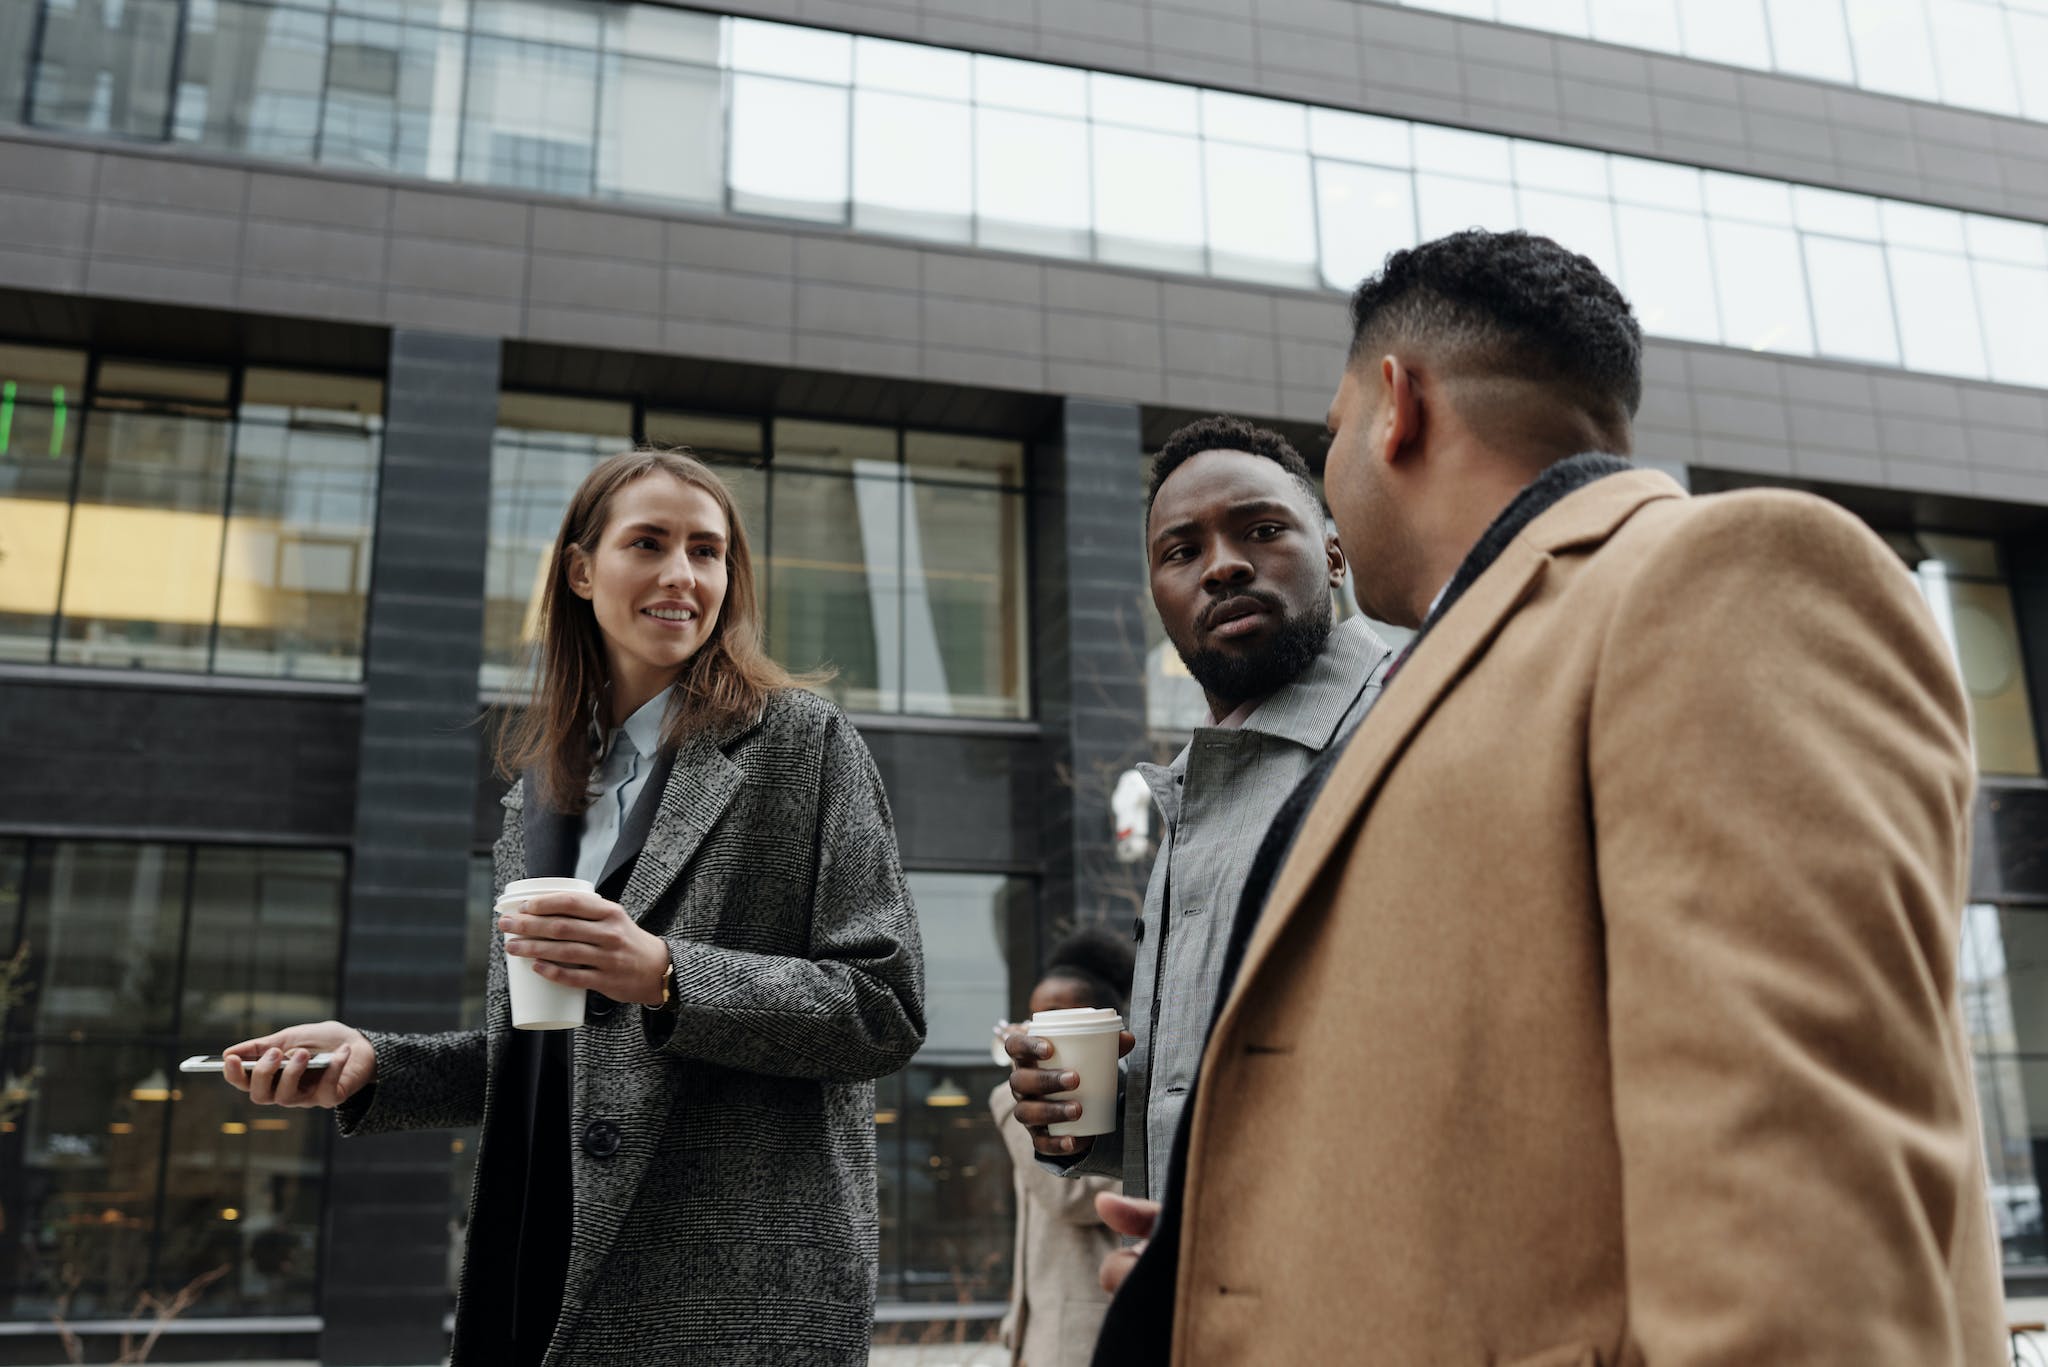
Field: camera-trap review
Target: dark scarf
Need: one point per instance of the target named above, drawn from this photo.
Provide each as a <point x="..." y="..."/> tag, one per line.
<point x="1138" y="1330"/>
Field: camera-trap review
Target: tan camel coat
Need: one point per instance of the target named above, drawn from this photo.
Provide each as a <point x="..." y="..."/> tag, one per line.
<point x="1605" y="1011"/>
<point x="1056" y="1295"/>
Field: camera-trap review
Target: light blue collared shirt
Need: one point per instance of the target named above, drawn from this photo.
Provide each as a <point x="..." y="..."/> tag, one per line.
<point x="617" y="781"/>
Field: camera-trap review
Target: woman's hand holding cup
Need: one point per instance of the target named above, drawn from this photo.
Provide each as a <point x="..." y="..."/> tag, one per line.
<point x="272" y="1069"/>
<point x="580" y="940"/>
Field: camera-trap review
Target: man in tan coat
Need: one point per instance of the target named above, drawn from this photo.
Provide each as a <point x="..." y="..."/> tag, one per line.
<point x="1603" y="1007"/>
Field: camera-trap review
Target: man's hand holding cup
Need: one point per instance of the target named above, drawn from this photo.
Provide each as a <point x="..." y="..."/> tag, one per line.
<point x="1056" y="1103"/>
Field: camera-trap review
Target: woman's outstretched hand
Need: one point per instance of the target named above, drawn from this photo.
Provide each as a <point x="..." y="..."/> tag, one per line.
<point x="579" y="939"/>
<point x="273" y="1071"/>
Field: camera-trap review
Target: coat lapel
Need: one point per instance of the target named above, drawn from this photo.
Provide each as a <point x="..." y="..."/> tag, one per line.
<point x="1583" y="518"/>
<point x="700" y="783"/>
<point x="632" y="836"/>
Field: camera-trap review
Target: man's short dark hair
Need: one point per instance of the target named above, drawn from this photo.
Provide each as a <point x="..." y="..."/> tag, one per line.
<point x="1228" y="434"/>
<point x="1513" y="304"/>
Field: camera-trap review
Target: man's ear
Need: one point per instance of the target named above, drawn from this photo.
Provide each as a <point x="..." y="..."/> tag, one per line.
<point x="1401" y="415"/>
<point x="577" y="572"/>
<point x="1333" y="552"/>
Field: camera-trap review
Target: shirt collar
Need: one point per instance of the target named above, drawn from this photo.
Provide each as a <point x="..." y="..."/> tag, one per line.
<point x="1309" y="710"/>
<point x="643" y="728"/>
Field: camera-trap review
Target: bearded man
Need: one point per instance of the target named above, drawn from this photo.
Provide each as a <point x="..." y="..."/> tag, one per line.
<point x="1242" y="563"/>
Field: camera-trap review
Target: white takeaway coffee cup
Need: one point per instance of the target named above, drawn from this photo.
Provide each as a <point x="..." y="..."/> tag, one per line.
<point x="538" y="1004"/>
<point x="1084" y="1040"/>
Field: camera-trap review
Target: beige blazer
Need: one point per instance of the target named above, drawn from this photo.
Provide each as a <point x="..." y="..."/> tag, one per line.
<point x="1056" y="1296"/>
<point x="1605" y="1011"/>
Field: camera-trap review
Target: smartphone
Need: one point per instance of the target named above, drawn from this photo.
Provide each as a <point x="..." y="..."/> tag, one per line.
<point x="214" y="1063"/>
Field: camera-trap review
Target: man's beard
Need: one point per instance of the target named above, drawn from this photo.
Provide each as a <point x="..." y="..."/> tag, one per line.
<point x="1235" y="677"/>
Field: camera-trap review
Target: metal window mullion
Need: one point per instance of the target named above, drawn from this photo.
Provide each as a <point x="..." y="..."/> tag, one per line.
<point x="227" y="505"/>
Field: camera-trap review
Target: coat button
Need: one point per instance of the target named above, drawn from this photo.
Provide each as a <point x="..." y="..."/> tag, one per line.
<point x="598" y="1005"/>
<point x="600" y="1139"/>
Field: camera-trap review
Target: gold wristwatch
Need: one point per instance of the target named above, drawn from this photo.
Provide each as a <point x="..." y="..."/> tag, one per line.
<point x="668" y="988"/>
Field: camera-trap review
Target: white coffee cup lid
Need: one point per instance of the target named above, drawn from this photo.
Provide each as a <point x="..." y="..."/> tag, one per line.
<point x="1088" y="1018"/>
<point x="534" y="887"/>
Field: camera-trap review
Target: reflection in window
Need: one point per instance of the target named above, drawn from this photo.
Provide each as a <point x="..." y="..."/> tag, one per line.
<point x="106" y="68"/>
<point x="789" y="149"/>
<point x="111" y="1162"/>
<point x="2000" y="966"/>
<point x="393" y="97"/>
<point x="944" y="1173"/>
<point x="660" y="134"/>
<point x="203" y="536"/>
<point x="544" y="447"/>
<point x="40" y="393"/>
<point x="913" y="167"/>
<point x="530" y="117"/>
<point x="1964" y="583"/>
<point x="250" y="78"/>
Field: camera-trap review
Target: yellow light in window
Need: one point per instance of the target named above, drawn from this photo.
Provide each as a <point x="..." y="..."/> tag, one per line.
<point x="6" y="1127"/>
<point x="269" y="1124"/>
<point x="234" y="1127"/>
<point x="947" y="1093"/>
<point x="120" y="1127"/>
<point x="155" y="1087"/>
<point x="110" y="1216"/>
<point x="456" y="1146"/>
<point x="231" y="1214"/>
<point x="885" y="1117"/>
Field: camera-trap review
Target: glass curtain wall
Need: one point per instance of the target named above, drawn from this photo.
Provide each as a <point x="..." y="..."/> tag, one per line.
<point x="185" y="517"/>
<point x="2004" y="968"/>
<point x="1977" y="54"/>
<point x="889" y="561"/>
<point x="640" y="102"/>
<point x="118" y="1175"/>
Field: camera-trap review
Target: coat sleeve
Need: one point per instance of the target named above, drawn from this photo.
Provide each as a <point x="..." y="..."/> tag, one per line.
<point x="424" y="1082"/>
<point x="1781" y="778"/>
<point x="854" y="1009"/>
<point x="1052" y="1190"/>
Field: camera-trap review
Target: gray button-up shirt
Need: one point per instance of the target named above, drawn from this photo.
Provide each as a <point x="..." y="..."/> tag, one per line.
<point x="1216" y="799"/>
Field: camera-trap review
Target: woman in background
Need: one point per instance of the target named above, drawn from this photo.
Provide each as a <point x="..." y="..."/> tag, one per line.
<point x="689" y="1177"/>
<point x="1056" y="1295"/>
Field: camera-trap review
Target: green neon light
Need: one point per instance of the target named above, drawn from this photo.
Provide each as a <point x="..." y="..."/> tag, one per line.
<point x="57" y="416"/>
<point x="6" y="414"/>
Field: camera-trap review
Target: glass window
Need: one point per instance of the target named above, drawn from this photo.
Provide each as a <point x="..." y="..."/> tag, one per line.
<point x="2029" y="33"/>
<point x="965" y="615"/>
<point x="1365" y="213"/>
<point x="572" y="23"/>
<point x="655" y="31"/>
<point x="1937" y="312"/>
<point x="1763" y="304"/>
<point x="249" y="78"/>
<point x="529" y="116"/>
<point x="1831" y="211"/>
<point x="1852" y="302"/>
<point x="1451" y="204"/>
<point x="1668" y="271"/>
<point x="943" y="1170"/>
<point x="393" y="97"/>
<point x="1552" y="16"/>
<point x="2015" y="310"/>
<point x="1040" y="202"/>
<point x="39" y="426"/>
<point x="805" y="54"/>
<point x="913" y="166"/>
<point x="1892" y="47"/>
<point x="1133" y="103"/>
<point x="17" y="51"/>
<point x="835" y="568"/>
<point x="295" y="573"/>
<point x="1636" y="23"/>
<point x="1033" y="87"/>
<point x="1571" y="170"/>
<point x="1655" y="184"/>
<point x="1454" y="152"/>
<point x="143" y="562"/>
<point x="1261" y="214"/>
<point x="912" y="69"/>
<point x="789" y="149"/>
<point x="1809" y="39"/>
<point x="1731" y="31"/>
<point x="115" y="1170"/>
<point x="1149" y="205"/>
<point x="103" y="928"/>
<point x="1748" y="199"/>
<point x="661" y="130"/>
<point x="544" y="447"/>
<point x="1254" y="122"/>
<point x="1971" y="56"/>
<point x="1584" y="225"/>
<point x="106" y="68"/>
<point x="1974" y="609"/>
<point x="2000" y="966"/>
<point x="1359" y="137"/>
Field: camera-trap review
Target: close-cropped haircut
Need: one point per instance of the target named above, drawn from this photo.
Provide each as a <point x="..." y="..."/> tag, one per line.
<point x="1228" y="434"/>
<point x="1098" y="959"/>
<point x="1512" y="305"/>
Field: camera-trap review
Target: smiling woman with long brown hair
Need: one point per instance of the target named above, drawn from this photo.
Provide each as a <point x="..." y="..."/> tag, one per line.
<point x="689" y="1178"/>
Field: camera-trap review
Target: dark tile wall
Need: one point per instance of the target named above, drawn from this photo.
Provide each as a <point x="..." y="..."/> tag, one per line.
<point x="385" y="1270"/>
<point x="204" y="763"/>
<point x="1090" y="580"/>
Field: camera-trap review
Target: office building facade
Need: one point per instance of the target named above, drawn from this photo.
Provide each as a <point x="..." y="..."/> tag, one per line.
<point x="312" y="313"/>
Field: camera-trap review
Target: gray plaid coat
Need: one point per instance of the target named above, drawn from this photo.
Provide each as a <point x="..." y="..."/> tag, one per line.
<point x="725" y="1215"/>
